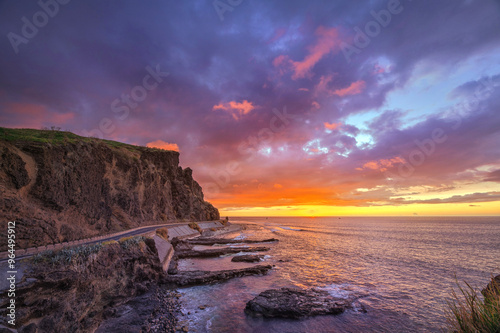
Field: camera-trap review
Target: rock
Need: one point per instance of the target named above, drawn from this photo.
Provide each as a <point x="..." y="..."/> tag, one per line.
<point x="213" y="241"/>
<point x="6" y="330"/>
<point x="78" y="297"/>
<point x="295" y="303"/>
<point x="31" y="328"/>
<point x="216" y="252"/>
<point x="492" y="290"/>
<point x="180" y="245"/>
<point x="191" y="278"/>
<point x="248" y="258"/>
<point x="173" y="266"/>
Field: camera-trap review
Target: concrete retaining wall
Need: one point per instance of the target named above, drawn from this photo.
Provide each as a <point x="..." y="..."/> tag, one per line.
<point x="165" y="251"/>
<point x="182" y="231"/>
<point x="209" y="225"/>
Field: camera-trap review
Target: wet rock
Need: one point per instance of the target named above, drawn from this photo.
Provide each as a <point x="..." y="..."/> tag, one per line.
<point x="248" y="258"/>
<point x="217" y="252"/>
<point x="213" y="241"/>
<point x="284" y="260"/>
<point x="191" y="278"/>
<point x="295" y="303"/>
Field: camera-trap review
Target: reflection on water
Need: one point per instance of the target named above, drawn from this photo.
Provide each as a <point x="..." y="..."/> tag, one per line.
<point x="400" y="269"/>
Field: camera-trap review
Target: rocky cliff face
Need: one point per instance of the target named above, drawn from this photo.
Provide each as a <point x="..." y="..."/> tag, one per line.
<point x="80" y="187"/>
<point x="78" y="294"/>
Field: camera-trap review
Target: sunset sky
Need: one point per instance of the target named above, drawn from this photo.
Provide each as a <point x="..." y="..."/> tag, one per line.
<point x="280" y="107"/>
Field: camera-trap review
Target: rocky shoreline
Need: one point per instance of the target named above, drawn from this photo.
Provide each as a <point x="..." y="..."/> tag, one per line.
<point x="115" y="286"/>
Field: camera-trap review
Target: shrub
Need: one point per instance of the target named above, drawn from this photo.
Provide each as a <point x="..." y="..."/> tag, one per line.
<point x="69" y="255"/>
<point x="163" y="233"/>
<point x="128" y="242"/>
<point x="124" y="239"/>
<point x="110" y="242"/>
<point x="469" y="311"/>
<point x="195" y="226"/>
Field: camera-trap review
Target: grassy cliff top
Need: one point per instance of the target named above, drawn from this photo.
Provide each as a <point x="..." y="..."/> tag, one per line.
<point x="57" y="137"/>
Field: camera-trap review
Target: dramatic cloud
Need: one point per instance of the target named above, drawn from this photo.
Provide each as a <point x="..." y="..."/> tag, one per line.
<point x="268" y="110"/>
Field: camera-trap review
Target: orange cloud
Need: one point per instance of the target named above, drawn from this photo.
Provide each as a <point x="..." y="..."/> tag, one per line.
<point x="355" y="88"/>
<point x="237" y="110"/>
<point x="332" y="126"/>
<point x="278" y="186"/>
<point x="327" y="42"/>
<point x="163" y="145"/>
<point x="382" y="164"/>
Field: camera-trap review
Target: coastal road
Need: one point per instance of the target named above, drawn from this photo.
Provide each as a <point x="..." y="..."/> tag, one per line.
<point x="116" y="236"/>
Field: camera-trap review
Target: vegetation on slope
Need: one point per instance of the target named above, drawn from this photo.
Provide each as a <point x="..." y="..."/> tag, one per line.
<point x="57" y="137"/>
<point x="469" y="311"/>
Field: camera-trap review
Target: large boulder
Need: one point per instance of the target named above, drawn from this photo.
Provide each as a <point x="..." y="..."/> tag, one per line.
<point x="295" y="303"/>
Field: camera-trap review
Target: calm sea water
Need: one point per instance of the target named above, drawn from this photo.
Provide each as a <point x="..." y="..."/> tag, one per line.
<point x="400" y="269"/>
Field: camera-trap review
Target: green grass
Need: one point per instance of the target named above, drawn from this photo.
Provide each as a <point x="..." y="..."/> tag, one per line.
<point x="470" y="312"/>
<point x="56" y="137"/>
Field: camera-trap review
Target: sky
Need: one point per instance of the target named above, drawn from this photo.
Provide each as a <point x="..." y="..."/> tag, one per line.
<point x="311" y="108"/>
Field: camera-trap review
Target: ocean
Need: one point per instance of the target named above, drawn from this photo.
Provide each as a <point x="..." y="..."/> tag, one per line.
<point x="400" y="269"/>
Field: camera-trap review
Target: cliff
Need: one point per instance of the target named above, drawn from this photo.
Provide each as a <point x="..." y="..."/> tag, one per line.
<point x="60" y="187"/>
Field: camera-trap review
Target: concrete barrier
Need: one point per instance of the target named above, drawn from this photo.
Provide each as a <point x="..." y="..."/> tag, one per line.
<point x="181" y="232"/>
<point x="165" y="251"/>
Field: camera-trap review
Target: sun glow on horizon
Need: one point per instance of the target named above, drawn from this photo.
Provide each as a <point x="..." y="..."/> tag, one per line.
<point x="456" y="209"/>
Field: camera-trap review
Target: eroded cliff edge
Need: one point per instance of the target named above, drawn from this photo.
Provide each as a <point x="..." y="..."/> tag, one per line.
<point x="59" y="187"/>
